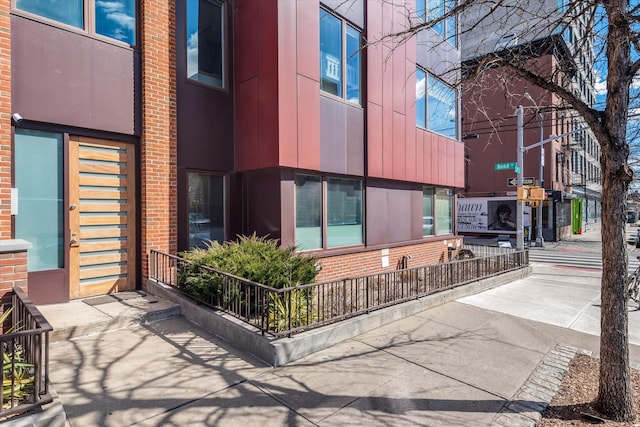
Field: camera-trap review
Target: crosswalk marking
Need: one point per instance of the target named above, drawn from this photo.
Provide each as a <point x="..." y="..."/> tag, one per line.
<point x="587" y="260"/>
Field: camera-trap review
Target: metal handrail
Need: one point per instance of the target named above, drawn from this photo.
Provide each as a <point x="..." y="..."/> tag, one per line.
<point x="31" y="339"/>
<point x="286" y="311"/>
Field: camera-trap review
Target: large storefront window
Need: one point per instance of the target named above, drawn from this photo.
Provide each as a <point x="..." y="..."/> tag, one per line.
<point x="427" y="212"/>
<point x="444" y="211"/>
<point x="39" y="179"/>
<point x="440" y="202"/>
<point x="308" y="212"/>
<point x="206" y="209"/>
<point x="343" y="212"/>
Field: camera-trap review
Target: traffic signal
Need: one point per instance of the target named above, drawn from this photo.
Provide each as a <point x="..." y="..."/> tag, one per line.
<point x="531" y="193"/>
<point x="537" y="194"/>
<point x="523" y="193"/>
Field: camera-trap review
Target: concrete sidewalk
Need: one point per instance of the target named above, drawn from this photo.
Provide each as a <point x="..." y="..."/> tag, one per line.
<point x="493" y="358"/>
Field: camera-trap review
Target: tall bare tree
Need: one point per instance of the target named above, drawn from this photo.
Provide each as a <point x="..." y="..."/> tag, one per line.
<point x="528" y="29"/>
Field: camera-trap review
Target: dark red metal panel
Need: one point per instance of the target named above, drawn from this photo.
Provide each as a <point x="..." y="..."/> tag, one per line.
<point x="374" y="140"/>
<point x="247" y="125"/>
<point x="308" y="129"/>
<point x="399" y="148"/>
<point x="54" y="83"/>
<point x="246" y="40"/>
<point x="307" y="34"/>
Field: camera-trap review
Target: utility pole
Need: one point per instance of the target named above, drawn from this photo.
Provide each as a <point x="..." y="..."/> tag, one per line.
<point x="519" y="174"/>
<point x="539" y="237"/>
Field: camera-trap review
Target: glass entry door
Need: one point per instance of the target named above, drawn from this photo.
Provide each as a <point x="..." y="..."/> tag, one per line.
<point x="76" y="206"/>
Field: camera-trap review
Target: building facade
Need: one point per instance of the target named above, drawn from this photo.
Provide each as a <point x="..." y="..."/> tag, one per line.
<point x="567" y="167"/>
<point x="130" y="126"/>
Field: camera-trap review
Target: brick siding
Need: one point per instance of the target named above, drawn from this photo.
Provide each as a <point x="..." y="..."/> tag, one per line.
<point x="13" y="271"/>
<point x="5" y="120"/>
<point x="158" y="143"/>
<point x="370" y="262"/>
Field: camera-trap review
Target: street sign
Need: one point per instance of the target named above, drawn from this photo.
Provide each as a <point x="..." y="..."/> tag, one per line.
<point x="505" y="166"/>
<point x="513" y="182"/>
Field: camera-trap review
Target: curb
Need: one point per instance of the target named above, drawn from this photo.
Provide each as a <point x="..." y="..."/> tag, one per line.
<point x="534" y="397"/>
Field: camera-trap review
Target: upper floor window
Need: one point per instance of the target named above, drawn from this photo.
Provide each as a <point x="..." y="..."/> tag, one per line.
<point x="115" y="19"/>
<point x="205" y="41"/>
<point x="340" y="58"/>
<point x="436" y="105"/>
<point x="436" y="11"/>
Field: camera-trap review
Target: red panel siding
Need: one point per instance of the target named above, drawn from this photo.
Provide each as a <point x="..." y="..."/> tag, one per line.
<point x="287" y="85"/>
<point x="308" y="123"/>
<point x="247" y="124"/>
<point x="427" y="156"/>
<point x="399" y="149"/>
<point x="246" y="52"/>
<point x="374" y="140"/>
<point x="420" y="163"/>
<point x="399" y="78"/>
<point x="268" y="83"/>
<point x="307" y="35"/>
<point x="442" y="159"/>
<point x="459" y="166"/>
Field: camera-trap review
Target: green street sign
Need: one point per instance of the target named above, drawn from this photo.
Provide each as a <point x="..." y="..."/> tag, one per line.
<point x="506" y="166"/>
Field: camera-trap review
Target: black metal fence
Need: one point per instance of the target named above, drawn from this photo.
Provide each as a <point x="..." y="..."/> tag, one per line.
<point x="283" y="312"/>
<point x="24" y="351"/>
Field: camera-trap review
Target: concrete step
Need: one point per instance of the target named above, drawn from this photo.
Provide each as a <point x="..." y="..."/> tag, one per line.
<point x="105" y="313"/>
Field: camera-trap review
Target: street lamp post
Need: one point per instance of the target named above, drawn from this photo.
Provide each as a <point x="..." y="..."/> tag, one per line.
<point x="539" y="238"/>
<point x="519" y="174"/>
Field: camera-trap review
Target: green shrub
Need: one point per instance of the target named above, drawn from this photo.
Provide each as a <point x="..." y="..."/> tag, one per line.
<point x="293" y="304"/>
<point x="17" y="375"/>
<point x="254" y="258"/>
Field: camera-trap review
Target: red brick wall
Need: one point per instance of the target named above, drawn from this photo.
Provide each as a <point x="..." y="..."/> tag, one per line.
<point x="370" y="262"/>
<point x="13" y="271"/>
<point x="158" y="165"/>
<point x="5" y="120"/>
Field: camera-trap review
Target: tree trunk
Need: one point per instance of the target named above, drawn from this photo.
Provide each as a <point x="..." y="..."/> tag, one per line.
<point x="615" y="396"/>
<point x="615" y="393"/>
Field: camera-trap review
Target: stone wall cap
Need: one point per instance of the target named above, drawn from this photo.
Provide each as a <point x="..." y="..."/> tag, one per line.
<point x="14" y="245"/>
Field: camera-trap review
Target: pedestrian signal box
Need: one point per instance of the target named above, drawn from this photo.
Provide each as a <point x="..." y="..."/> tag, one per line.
<point x="531" y="193"/>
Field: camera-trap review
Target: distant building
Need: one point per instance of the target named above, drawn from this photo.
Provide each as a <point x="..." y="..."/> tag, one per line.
<point x="161" y="125"/>
<point x="571" y="168"/>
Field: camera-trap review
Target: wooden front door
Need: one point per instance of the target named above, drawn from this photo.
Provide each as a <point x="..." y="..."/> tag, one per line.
<point x="102" y="247"/>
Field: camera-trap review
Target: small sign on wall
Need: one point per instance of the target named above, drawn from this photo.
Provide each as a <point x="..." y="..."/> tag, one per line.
<point x="385" y="258"/>
<point x="14" y="201"/>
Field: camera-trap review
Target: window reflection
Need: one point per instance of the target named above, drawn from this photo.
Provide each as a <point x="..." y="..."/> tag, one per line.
<point x="340" y="45"/>
<point x="38" y="177"/>
<point x="308" y="212"/>
<point x="442" y="107"/>
<point x="206" y="209"/>
<point x="205" y="41"/>
<point x="70" y="12"/>
<point x="330" y="53"/>
<point x="116" y="19"/>
<point x="344" y="212"/>
<point x="444" y="211"/>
